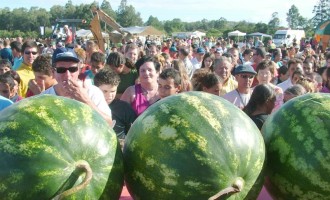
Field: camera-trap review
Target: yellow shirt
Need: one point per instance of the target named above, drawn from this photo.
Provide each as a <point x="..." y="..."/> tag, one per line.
<point x="26" y="74"/>
<point x="229" y="85"/>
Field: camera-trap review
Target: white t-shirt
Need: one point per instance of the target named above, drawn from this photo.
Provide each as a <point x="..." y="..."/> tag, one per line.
<point x="196" y="64"/>
<point x="238" y="99"/>
<point x="94" y="93"/>
<point x="286" y="84"/>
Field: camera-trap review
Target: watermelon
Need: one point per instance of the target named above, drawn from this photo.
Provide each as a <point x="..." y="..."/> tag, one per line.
<point x="55" y="147"/>
<point x="192" y="146"/>
<point x="297" y="139"/>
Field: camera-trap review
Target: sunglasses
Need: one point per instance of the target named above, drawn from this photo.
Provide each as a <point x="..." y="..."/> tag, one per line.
<point x="29" y="52"/>
<point x="62" y="70"/>
<point x="246" y="76"/>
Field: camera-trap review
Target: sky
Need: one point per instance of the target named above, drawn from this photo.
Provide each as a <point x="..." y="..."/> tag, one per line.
<point x="192" y="10"/>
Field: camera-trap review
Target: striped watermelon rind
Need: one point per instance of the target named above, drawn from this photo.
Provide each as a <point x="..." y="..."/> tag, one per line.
<point x="42" y="138"/>
<point x="297" y="138"/>
<point x="191" y="146"/>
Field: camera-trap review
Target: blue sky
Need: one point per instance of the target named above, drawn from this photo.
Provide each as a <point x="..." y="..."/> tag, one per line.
<point x="193" y="10"/>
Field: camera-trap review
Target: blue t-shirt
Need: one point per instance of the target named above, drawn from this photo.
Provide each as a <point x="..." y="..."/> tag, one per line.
<point x="17" y="63"/>
<point x="4" y="102"/>
<point x="6" y="53"/>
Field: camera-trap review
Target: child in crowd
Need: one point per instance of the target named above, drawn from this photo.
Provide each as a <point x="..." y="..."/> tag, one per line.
<point x="43" y="73"/>
<point x="206" y="81"/>
<point x="8" y="87"/>
<point x="97" y="63"/>
<point x="169" y="82"/>
<point x="122" y="113"/>
<point x="5" y="66"/>
<point x="326" y="87"/>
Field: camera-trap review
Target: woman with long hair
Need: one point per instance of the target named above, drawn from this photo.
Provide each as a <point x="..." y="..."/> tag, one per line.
<point x="208" y="61"/>
<point x="261" y="104"/>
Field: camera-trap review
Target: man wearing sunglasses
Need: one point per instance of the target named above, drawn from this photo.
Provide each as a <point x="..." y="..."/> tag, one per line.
<point x="25" y="72"/>
<point x="66" y="71"/>
<point x="244" y="75"/>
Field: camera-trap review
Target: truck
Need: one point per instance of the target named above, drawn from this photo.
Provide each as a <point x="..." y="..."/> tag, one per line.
<point x="288" y="37"/>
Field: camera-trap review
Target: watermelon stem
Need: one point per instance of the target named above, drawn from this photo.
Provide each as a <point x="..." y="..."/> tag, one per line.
<point x="66" y="189"/>
<point x="237" y="186"/>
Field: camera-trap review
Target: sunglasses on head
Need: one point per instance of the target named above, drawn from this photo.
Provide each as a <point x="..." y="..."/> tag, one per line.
<point x="245" y="76"/>
<point x="62" y="70"/>
<point x="29" y="52"/>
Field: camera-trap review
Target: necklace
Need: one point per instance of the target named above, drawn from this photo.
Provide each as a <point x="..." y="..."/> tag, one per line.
<point x="240" y="97"/>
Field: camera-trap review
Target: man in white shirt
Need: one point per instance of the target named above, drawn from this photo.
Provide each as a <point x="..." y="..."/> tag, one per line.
<point x="66" y="71"/>
<point x="293" y="64"/>
<point x="198" y="59"/>
<point x="244" y="75"/>
<point x="184" y="56"/>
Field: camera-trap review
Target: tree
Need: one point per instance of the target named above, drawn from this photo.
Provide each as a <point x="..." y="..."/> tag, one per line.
<point x="294" y="18"/>
<point x="261" y="27"/>
<point x="174" y="25"/>
<point x="106" y="7"/>
<point x="221" y="24"/>
<point x="213" y="33"/>
<point x="153" y="21"/>
<point x="274" y="23"/>
<point x="70" y="10"/>
<point x="57" y="12"/>
<point x="322" y="12"/>
<point x="244" y="26"/>
<point x="127" y="16"/>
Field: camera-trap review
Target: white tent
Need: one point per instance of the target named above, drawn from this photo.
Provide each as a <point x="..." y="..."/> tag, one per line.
<point x="87" y="34"/>
<point x="195" y="34"/>
<point x="236" y="33"/>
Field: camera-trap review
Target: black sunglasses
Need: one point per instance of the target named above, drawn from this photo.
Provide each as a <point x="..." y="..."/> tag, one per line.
<point x="29" y="52"/>
<point x="62" y="70"/>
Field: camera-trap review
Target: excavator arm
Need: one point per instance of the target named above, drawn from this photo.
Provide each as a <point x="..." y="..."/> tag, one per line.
<point x="95" y="26"/>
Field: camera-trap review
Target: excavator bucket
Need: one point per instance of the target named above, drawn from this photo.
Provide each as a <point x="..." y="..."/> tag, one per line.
<point x="95" y="27"/>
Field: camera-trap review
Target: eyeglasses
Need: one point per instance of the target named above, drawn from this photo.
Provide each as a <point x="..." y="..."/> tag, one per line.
<point x="62" y="70"/>
<point x="29" y="52"/>
<point x="246" y="76"/>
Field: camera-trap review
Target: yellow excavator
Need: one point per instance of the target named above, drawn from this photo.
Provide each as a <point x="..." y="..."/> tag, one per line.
<point x="95" y="27"/>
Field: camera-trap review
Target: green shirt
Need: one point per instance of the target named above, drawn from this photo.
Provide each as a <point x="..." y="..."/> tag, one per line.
<point x="127" y="80"/>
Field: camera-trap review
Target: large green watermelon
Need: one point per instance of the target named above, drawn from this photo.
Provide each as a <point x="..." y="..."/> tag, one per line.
<point x="297" y="140"/>
<point x="191" y="146"/>
<point x="49" y="144"/>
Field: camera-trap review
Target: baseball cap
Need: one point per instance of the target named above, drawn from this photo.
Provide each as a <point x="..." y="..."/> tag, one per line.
<point x="173" y="49"/>
<point x="200" y="50"/>
<point x="65" y="54"/>
<point x="245" y="69"/>
<point x="219" y="50"/>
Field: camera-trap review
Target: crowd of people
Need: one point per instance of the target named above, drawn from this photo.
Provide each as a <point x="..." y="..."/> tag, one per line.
<point x="124" y="81"/>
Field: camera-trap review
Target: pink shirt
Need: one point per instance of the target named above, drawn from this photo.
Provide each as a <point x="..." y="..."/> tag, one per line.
<point x="140" y="102"/>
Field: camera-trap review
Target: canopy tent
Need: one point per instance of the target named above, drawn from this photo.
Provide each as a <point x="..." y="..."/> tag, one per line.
<point x="184" y="35"/>
<point x="136" y="31"/>
<point x="236" y="33"/>
<point x="258" y="34"/>
<point x="87" y="34"/>
<point x="143" y="31"/>
<point x="322" y="33"/>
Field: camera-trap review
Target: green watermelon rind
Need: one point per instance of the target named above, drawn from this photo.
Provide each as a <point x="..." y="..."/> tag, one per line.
<point x="160" y="173"/>
<point x="297" y="138"/>
<point x="37" y="154"/>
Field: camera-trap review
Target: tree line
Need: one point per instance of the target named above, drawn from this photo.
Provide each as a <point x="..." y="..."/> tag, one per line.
<point x="26" y="22"/>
